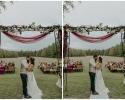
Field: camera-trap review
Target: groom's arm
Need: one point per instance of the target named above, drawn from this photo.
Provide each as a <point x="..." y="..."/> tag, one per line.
<point x="26" y="65"/>
<point x="92" y="62"/>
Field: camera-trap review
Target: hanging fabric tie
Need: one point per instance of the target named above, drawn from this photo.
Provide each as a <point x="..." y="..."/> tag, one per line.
<point x="60" y="42"/>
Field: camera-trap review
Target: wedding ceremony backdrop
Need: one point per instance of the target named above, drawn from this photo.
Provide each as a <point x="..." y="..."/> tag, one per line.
<point x="19" y="38"/>
<point x="83" y="33"/>
<point x="14" y="32"/>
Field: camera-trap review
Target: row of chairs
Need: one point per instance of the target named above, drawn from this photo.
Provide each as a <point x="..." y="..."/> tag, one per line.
<point x="115" y="66"/>
<point x="48" y="68"/>
<point x="73" y="67"/>
<point x="7" y="67"/>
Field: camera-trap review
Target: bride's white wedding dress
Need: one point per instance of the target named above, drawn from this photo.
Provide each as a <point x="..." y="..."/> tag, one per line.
<point x="32" y="87"/>
<point x="100" y="87"/>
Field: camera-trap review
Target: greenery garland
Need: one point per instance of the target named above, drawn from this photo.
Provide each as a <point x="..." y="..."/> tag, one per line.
<point x="32" y="27"/>
<point x="82" y="29"/>
<point x="87" y="28"/>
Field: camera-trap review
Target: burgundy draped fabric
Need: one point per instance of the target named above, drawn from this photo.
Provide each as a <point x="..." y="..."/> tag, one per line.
<point x="93" y="39"/>
<point x="26" y="39"/>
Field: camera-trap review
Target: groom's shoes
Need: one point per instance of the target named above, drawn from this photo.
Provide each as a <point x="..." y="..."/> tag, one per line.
<point x="27" y="97"/>
<point x="95" y="93"/>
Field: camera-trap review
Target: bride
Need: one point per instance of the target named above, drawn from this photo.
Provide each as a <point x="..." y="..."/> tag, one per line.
<point x="99" y="82"/>
<point x="32" y="87"/>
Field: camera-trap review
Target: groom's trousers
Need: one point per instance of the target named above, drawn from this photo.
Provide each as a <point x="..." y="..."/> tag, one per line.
<point x="24" y="83"/>
<point x="92" y="81"/>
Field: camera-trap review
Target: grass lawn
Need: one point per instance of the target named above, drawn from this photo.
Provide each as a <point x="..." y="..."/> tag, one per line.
<point x="11" y="85"/>
<point x="79" y="83"/>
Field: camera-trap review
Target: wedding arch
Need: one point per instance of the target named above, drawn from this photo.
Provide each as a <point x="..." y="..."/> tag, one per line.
<point x="57" y="30"/>
<point x="82" y="32"/>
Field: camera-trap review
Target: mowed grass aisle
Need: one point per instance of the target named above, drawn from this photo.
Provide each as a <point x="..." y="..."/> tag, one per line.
<point x="11" y="85"/>
<point x="79" y="83"/>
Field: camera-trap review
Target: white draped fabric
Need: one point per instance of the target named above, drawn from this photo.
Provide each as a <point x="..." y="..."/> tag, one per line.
<point x="58" y="83"/>
<point x="124" y="81"/>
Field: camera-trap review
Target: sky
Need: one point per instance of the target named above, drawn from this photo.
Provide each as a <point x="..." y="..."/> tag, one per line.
<point x="49" y="13"/>
<point x="45" y="13"/>
<point x="93" y="13"/>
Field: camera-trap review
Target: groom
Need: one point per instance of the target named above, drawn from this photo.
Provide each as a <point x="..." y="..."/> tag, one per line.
<point x="92" y="73"/>
<point x="23" y="75"/>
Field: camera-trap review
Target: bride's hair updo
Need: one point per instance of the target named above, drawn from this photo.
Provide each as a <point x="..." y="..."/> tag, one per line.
<point x="100" y="59"/>
<point x="32" y="60"/>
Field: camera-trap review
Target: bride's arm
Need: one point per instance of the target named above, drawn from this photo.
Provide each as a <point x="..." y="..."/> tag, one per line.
<point x="30" y="68"/>
<point x="98" y="65"/>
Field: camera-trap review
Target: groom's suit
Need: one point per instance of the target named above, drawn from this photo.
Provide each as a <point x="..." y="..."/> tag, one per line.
<point x="92" y="70"/>
<point x="23" y="75"/>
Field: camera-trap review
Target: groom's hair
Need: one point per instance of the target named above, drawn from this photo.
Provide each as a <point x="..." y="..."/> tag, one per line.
<point x="28" y="58"/>
<point x="94" y="56"/>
